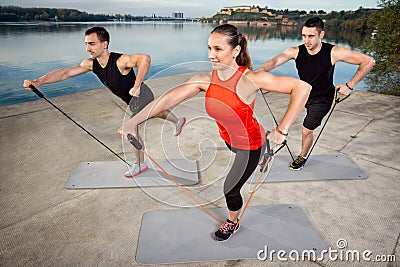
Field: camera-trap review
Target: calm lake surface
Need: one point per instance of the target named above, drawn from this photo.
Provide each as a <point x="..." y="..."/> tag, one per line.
<point x="29" y="51"/>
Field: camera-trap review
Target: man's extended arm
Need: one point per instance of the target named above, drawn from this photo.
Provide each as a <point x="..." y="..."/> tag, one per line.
<point x="60" y="74"/>
<point x="285" y="56"/>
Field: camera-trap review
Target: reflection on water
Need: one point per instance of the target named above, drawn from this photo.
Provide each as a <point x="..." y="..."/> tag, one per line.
<point x="28" y="28"/>
<point x="31" y="50"/>
<point x="254" y="32"/>
<point x="263" y="32"/>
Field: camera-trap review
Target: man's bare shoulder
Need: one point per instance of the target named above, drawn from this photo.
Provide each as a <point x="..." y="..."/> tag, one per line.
<point x="87" y="64"/>
<point x="124" y="60"/>
<point x="291" y="52"/>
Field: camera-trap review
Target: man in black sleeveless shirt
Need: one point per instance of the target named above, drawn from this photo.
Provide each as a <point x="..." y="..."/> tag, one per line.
<point x="116" y="72"/>
<point x="315" y="62"/>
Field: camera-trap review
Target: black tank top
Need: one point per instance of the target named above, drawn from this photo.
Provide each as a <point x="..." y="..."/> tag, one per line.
<point x="317" y="70"/>
<point x="111" y="77"/>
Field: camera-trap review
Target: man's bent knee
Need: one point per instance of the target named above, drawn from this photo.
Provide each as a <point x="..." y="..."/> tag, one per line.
<point x="307" y="132"/>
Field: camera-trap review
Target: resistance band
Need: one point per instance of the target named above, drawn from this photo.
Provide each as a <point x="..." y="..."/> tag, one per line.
<point x="39" y="94"/>
<point x="337" y="100"/>
<point x="266" y="159"/>
<point x="267" y="156"/>
<point x="139" y="147"/>
<point x="276" y="122"/>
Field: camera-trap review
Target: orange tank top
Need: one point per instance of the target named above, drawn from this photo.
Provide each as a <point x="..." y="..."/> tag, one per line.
<point x="234" y="118"/>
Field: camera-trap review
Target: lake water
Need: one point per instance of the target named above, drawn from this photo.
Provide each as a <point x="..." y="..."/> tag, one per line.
<point x="29" y="51"/>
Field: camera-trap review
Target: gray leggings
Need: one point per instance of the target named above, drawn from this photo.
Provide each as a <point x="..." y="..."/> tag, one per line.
<point x="245" y="163"/>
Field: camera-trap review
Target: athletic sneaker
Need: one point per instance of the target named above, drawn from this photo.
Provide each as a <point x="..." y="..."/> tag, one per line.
<point x="297" y="164"/>
<point x="179" y="126"/>
<point x="134" y="170"/>
<point x="226" y="230"/>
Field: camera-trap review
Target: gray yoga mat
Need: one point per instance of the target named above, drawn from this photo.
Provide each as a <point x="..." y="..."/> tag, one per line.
<point x="318" y="167"/>
<point x="110" y="174"/>
<point x="185" y="235"/>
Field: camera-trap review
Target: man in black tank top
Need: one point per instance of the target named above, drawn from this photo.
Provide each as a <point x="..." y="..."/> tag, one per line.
<point x="315" y="62"/>
<point x="116" y="72"/>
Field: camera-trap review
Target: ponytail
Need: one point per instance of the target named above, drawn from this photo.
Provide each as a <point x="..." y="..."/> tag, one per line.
<point x="244" y="59"/>
<point x="236" y="39"/>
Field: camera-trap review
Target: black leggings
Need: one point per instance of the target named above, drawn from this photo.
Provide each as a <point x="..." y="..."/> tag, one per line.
<point x="245" y="163"/>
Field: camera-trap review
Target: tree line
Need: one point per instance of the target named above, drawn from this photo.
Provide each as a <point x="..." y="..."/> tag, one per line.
<point x="385" y="48"/>
<point x="15" y="14"/>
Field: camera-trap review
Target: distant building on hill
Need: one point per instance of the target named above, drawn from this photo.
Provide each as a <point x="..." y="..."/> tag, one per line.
<point x="177" y="15"/>
<point x="229" y="10"/>
<point x="261" y="14"/>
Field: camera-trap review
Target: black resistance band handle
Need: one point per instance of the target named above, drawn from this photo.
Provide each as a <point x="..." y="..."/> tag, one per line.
<point x="269" y="152"/>
<point x="339" y="99"/>
<point x="36" y="91"/>
<point x="134" y="142"/>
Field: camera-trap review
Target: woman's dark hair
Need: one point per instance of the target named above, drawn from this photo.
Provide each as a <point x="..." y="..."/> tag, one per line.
<point x="102" y="34"/>
<point x="236" y="39"/>
<point x="315" y="22"/>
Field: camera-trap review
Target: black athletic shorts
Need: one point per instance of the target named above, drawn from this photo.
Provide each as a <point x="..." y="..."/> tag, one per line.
<point x="316" y="111"/>
<point x="138" y="103"/>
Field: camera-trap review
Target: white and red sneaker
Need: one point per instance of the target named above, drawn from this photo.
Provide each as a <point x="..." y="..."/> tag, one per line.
<point x="179" y="126"/>
<point x="136" y="169"/>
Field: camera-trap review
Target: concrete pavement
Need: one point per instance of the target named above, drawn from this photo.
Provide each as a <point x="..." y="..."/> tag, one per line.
<point x="44" y="224"/>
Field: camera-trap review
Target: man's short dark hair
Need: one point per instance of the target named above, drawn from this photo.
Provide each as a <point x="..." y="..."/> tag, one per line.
<point x="102" y="34"/>
<point x="315" y="22"/>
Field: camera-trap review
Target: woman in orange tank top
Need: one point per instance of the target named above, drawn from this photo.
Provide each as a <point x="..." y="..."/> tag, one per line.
<point x="231" y="90"/>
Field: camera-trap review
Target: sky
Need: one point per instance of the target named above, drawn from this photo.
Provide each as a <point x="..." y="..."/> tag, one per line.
<point x="190" y="8"/>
